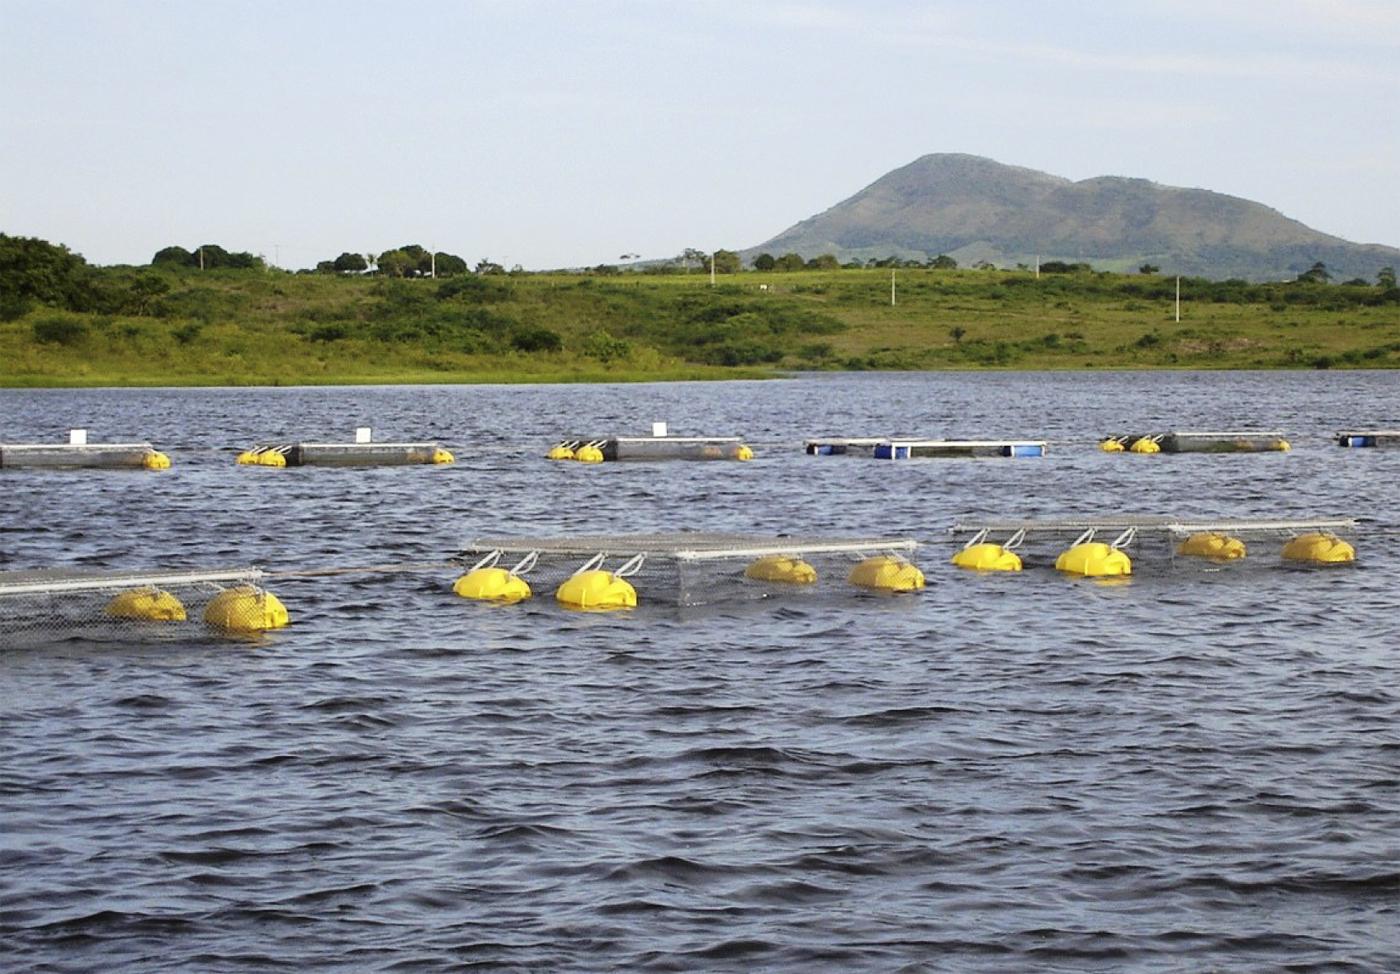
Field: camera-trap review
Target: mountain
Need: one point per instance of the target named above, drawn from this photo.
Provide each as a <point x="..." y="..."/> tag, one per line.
<point x="975" y="209"/>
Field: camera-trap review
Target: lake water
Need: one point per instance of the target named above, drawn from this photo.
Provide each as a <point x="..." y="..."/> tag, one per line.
<point x="1193" y="771"/>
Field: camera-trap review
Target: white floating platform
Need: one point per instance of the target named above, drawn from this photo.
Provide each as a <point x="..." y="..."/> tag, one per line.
<point x="63" y="581"/>
<point x="1165" y="526"/>
<point x="914" y="449"/>
<point x="617" y="448"/>
<point x="1370" y="439"/>
<point x="832" y="446"/>
<point x="1192" y="441"/>
<point x="688" y="545"/>
<point x="69" y="455"/>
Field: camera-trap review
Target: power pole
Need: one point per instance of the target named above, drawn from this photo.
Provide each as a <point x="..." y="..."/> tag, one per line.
<point x="432" y="265"/>
<point x="712" y="270"/>
<point x="891" y="287"/>
<point x="1178" y="299"/>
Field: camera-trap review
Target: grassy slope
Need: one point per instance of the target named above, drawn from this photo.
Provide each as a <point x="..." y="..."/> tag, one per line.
<point x="259" y="328"/>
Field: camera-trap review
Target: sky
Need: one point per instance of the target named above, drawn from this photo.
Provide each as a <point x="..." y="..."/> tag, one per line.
<point x="552" y="134"/>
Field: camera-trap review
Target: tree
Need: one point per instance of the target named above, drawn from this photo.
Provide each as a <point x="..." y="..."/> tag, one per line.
<point x="943" y="263"/>
<point x="449" y="264"/>
<point x="36" y="270"/>
<point x="1385" y="278"/>
<point x="145" y="289"/>
<point x="956" y="333"/>
<point x="824" y="262"/>
<point x="693" y="256"/>
<point x="348" y="263"/>
<point x="790" y="262"/>
<point x="764" y="262"/>
<point x="487" y="266"/>
<point x="174" y="256"/>
<point x="1316" y="274"/>
<point x="1149" y="269"/>
<point x="394" y="263"/>
<point x="726" y="262"/>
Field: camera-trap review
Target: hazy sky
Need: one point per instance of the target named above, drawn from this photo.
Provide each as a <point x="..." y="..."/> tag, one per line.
<point x="567" y="133"/>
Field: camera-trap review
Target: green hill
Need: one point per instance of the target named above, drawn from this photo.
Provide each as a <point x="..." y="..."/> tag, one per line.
<point x="974" y="209"/>
<point x="71" y="324"/>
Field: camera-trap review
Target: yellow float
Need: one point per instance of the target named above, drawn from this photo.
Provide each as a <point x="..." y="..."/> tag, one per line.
<point x="886" y="573"/>
<point x="593" y="589"/>
<point x="245" y="609"/>
<point x="1316" y="548"/>
<point x="155" y="460"/>
<point x="1212" y="545"/>
<point x="744" y="453"/>
<point x="1111" y="445"/>
<point x="1094" y="559"/>
<point x="443" y="456"/>
<point x="487" y="582"/>
<point x="1145" y="444"/>
<point x="561" y="451"/>
<point x="987" y="557"/>
<point x="588" y="453"/>
<point x="146" y="605"/>
<point x="781" y="568"/>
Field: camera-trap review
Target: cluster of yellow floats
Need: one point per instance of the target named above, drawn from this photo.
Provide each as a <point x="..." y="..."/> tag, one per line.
<point x="1098" y="559"/>
<point x="594" y="589"/>
<point x="242" y="609"/>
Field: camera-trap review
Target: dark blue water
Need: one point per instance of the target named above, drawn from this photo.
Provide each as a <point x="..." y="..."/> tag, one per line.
<point x="1194" y="771"/>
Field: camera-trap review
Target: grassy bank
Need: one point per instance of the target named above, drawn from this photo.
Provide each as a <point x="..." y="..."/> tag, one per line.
<point x="260" y="327"/>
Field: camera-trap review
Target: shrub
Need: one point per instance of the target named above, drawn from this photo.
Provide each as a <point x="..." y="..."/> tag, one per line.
<point x="57" y="330"/>
<point x="530" y="338"/>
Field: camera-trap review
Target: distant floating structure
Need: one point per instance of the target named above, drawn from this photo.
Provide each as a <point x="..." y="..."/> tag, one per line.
<point x="1370" y="439"/>
<point x="363" y="452"/>
<point x="659" y="446"/>
<point x="1248" y="441"/>
<point x="79" y="453"/>
<point x="885" y="448"/>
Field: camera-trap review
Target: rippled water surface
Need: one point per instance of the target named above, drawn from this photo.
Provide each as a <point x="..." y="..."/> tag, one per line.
<point x="1193" y="771"/>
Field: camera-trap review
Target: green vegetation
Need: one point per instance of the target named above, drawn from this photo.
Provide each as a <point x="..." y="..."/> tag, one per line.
<point x="64" y="322"/>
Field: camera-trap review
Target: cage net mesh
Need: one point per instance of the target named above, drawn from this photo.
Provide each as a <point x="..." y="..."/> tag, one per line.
<point x="50" y="605"/>
<point x="1156" y="540"/>
<point x="688" y="568"/>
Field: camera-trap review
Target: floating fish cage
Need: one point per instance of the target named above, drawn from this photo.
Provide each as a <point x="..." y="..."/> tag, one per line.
<point x="611" y="449"/>
<point x="60" y="456"/>
<point x="48" y="604"/>
<point x="1112" y="544"/>
<point x="344" y="455"/>
<point x="681" y="568"/>
<point x="1370" y="439"/>
<point x="1247" y="441"/>
<point x="885" y="448"/>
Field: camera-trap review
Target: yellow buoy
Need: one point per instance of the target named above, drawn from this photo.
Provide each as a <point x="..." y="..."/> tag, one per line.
<point x="245" y="608"/>
<point x="248" y="457"/>
<point x="1283" y="445"/>
<point x="1319" y="549"/>
<point x="1111" y="445"/>
<point x="493" y="585"/>
<point x="744" y="453"/>
<point x="155" y="460"/>
<point x="146" y="605"/>
<point x="596" y="591"/>
<point x="987" y="557"/>
<point x="781" y="568"/>
<point x="271" y="458"/>
<point x="588" y="453"/>
<point x="443" y="456"/>
<point x="1212" y="545"/>
<point x="1144" y="444"/>
<point x="561" y="452"/>
<point x="1094" y="559"/>
<point x="887" y="573"/>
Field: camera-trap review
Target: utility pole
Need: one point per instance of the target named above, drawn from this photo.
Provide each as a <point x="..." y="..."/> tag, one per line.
<point x="1178" y="299"/>
<point x="1037" y="267"/>
<point x="432" y="264"/>
<point x="201" y="258"/>
<point x="712" y="270"/>
<point x="891" y="287"/>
